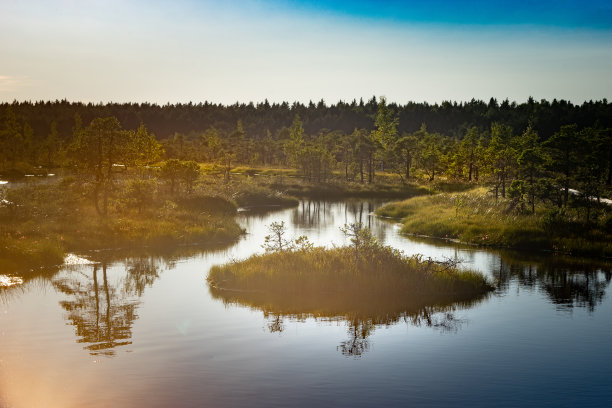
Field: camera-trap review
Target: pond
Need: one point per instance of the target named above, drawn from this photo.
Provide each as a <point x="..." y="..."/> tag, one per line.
<point x="145" y="329"/>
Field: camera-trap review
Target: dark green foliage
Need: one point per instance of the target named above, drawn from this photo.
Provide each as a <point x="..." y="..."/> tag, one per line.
<point x="449" y="118"/>
<point x="179" y="172"/>
<point x="607" y="224"/>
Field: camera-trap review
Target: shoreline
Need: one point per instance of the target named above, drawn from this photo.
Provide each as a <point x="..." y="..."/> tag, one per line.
<point x="487" y="224"/>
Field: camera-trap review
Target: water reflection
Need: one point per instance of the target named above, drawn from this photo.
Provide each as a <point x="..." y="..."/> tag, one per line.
<point x="102" y="310"/>
<point x="361" y="311"/>
<point x="567" y="282"/>
<point x="101" y="301"/>
<point x="357" y="344"/>
<point x="316" y="214"/>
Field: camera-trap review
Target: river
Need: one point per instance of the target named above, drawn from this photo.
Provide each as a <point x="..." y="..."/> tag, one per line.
<point x="146" y="331"/>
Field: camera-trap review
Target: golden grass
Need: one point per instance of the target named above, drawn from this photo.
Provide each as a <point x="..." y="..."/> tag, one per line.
<point x="44" y="222"/>
<point x="475" y="217"/>
<point x="321" y="281"/>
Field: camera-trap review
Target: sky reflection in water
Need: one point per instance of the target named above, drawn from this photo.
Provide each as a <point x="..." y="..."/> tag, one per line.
<point x="149" y="332"/>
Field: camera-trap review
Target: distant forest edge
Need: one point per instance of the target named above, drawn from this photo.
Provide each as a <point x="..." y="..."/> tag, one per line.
<point x="450" y="119"/>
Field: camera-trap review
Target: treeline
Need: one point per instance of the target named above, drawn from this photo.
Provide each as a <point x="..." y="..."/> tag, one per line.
<point x="532" y="152"/>
<point x="448" y="118"/>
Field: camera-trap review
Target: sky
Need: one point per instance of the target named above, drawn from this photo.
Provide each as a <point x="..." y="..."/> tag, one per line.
<point x="300" y="50"/>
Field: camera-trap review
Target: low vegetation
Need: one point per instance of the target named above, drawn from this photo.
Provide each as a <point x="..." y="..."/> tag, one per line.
<point x="124" y="186"/>
<point x="476" y="217"/>
<point x="335" y="189"/>
<point x="249" y="193"/>
<point x="40" y="223"/>
<point x="361" y="278"/>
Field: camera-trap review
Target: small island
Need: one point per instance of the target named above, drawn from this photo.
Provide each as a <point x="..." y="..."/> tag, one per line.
<point x="365" y="279"/>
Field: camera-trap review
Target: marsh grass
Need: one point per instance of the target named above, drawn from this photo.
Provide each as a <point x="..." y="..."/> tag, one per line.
<point x="475" y="217"/>
<point x="378" y="281"/>
<point x="250" y="193"/>
<point x="43" y="222"/>
<point x="337" y="189"/>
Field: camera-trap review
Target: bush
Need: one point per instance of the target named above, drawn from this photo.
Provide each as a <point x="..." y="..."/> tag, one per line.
<point x="552" y="219"/>
<point x="140" y="193"/>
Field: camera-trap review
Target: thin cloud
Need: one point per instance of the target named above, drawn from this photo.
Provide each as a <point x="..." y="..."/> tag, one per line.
<point x="10" y="83"/>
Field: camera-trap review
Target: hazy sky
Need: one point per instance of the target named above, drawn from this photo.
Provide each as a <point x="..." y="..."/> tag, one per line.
<point x="228" y="51"/>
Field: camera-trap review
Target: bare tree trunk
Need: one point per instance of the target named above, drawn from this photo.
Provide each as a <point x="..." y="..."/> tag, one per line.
<point x="361" y="170"/>
<point x="95" y="279"/>
<point x="408" y="163"/>
<point x="108" y="307"/>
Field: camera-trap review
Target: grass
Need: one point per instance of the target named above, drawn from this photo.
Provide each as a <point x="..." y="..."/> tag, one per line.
<point x="280" y="186"/>
<point x="252" y="194"/>
<point x="45" y="221"/>
<point x="336" y="189"/>
<point x="217" y="169"/>
<point x="475" y="217"/>
<point x="374" y="282"/>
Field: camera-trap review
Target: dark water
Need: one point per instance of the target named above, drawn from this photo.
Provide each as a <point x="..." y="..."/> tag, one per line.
<point x="147" y="331"/>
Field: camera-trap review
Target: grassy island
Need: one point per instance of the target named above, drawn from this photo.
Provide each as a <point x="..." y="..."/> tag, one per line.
<point x="476" y="217"/>
<point x="372" y="281"/>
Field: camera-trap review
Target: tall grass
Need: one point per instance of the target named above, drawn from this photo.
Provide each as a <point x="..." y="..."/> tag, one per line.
<point x="326" y="282"/>
<point x="475" y="217"/>
<point x="41" y="222"/>
<point x="250" y="193"/>
<point x="336" y="189"/>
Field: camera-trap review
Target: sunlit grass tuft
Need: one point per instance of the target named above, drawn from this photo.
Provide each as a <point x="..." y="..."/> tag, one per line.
<point x="355" y="279"/>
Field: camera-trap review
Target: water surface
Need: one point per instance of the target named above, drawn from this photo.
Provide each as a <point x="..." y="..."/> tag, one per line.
<point x="145" y="330"/>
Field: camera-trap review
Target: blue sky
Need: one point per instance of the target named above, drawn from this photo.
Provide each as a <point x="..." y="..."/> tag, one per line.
<point x="179" y="51"/>
<point x="559" y="13"/>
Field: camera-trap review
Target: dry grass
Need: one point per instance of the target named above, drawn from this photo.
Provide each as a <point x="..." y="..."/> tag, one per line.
<point x="475" y="217"/>
<point x="45" y="221"/>
<point x="373" y="281"/>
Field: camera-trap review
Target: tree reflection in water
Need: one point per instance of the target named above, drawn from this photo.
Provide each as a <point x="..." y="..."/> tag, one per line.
<point x="361" y="317"/>
<point x="567" y="282"/>
<point x="103" y="312"/>
<point x="357" y="344"/>
<point x="320" y="214"/>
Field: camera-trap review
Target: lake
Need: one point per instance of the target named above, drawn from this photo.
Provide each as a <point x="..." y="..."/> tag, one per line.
<point x="144" y="329"/>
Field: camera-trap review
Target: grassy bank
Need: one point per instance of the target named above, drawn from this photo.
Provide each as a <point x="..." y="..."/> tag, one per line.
<point x="287" y="183"/>
<point x="337" y="189"/>
<point x="475" y="217"/>
<point x="251" y="193"/>
<point x="327" y="282"/>
<point x="40" y="223"/>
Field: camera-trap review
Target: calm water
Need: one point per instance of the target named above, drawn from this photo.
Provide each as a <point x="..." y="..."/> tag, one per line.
<point x="146" y="331"/>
